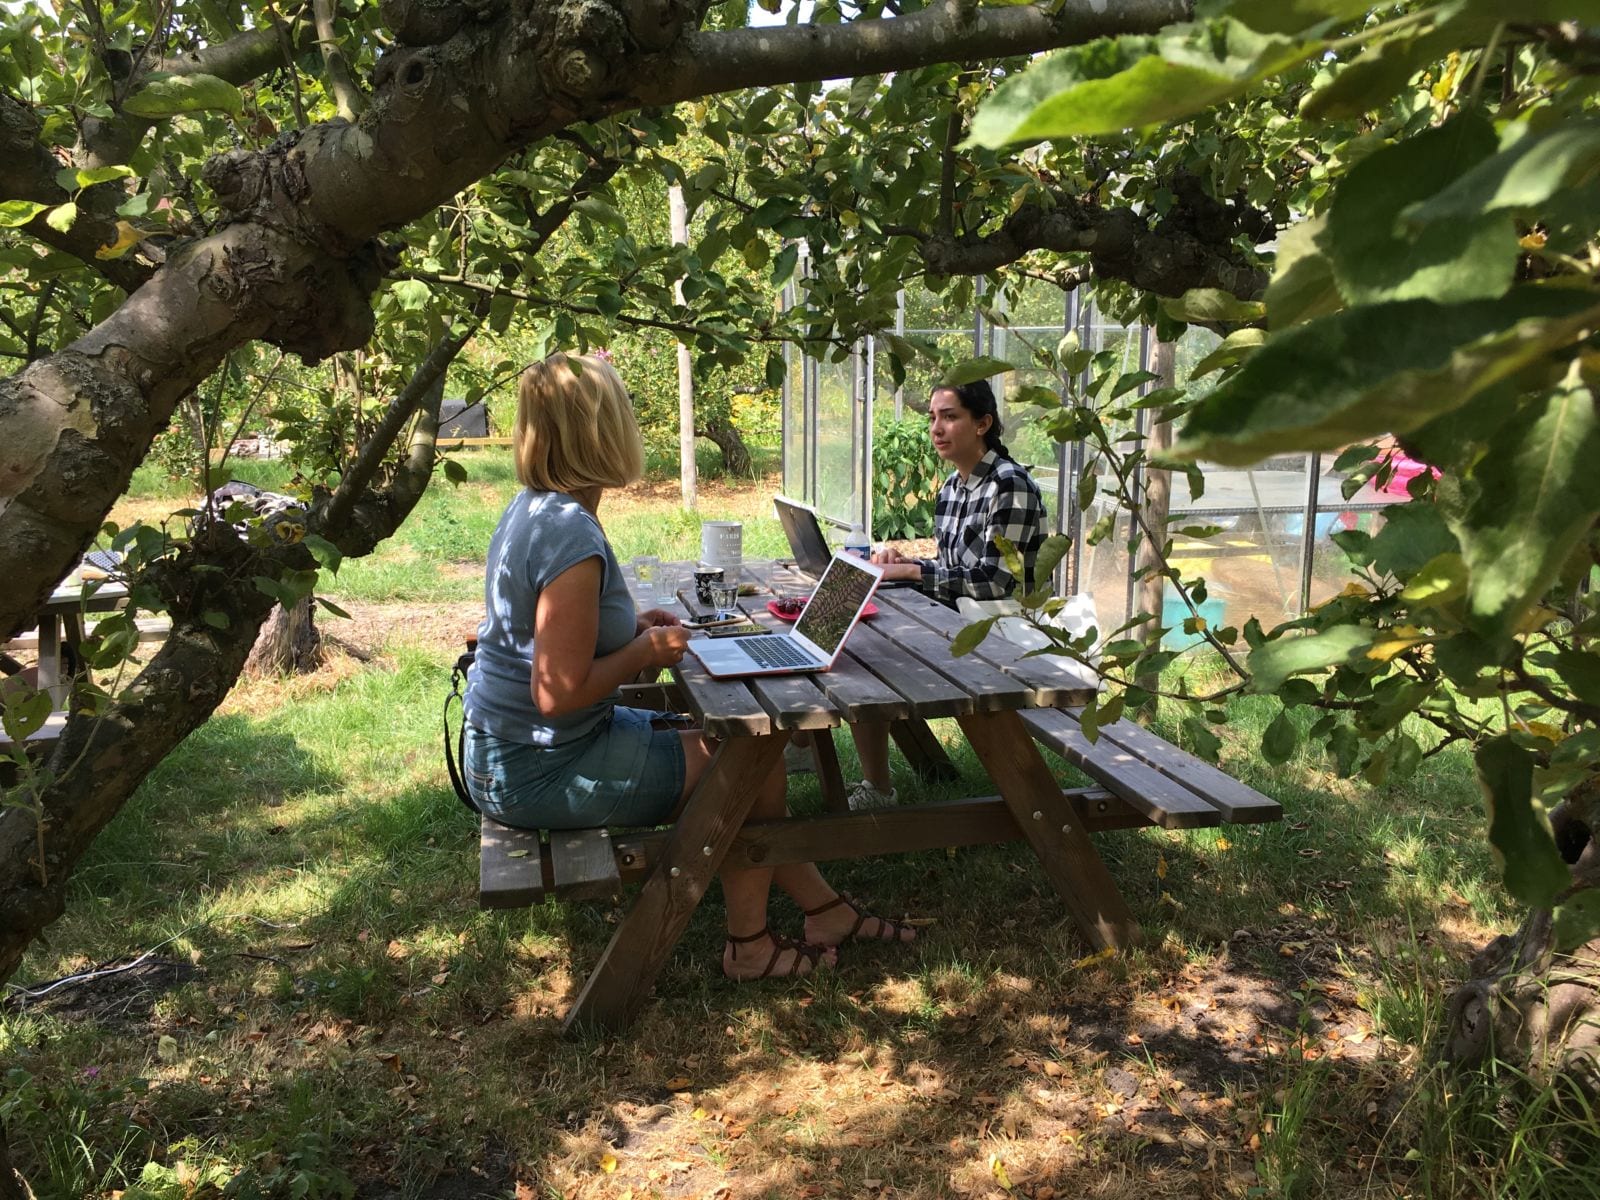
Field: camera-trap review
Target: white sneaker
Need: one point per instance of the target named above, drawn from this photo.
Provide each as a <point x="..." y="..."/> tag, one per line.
<point x="866" y="795"/>
<point x="797" y="760"/>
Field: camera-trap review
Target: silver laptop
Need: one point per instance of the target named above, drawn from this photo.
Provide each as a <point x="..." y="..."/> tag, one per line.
<point x="835" y="606"/>
<point x="806" y="540"/>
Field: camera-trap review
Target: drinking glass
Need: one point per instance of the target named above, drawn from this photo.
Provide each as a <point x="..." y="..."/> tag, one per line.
<point x="646" y="570"/>
<point x="667" y="584"/>
<point x="724" y="594"/>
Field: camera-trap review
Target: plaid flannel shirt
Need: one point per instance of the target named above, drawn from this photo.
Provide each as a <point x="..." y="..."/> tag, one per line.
<point x="998" y="499"/>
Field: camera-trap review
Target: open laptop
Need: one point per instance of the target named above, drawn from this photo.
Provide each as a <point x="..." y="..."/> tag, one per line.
<point x="804" y="531"/>
<point x="808" y="543"/>
<point x="835" y="606"/>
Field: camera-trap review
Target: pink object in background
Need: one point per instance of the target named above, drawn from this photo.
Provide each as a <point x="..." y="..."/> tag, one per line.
<point x="1403" y="469"/>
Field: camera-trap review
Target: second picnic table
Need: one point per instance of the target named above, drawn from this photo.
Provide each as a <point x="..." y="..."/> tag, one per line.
<point x="897" y="667"/>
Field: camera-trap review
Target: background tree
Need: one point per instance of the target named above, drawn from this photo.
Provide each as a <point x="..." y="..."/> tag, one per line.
<point x="1439" y="284"/>
<point x="183" y="181"/>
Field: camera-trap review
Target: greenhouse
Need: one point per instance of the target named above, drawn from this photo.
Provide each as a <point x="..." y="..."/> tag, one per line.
<point x="1272" y="556"/>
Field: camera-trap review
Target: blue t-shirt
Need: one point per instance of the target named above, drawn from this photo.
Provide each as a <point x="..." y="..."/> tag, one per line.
<point x="540" y="535"/>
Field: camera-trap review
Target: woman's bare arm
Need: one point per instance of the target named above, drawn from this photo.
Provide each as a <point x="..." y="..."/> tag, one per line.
<point x="566" y="674"/>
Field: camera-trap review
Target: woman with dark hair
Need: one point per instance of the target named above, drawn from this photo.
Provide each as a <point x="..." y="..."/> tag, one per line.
<point x="988" y="496"/>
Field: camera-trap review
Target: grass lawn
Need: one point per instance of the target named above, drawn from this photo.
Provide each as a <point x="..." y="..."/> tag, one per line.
<point x="326" y="1013"/>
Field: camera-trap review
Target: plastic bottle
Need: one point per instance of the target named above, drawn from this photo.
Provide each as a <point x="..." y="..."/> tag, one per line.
<point x="857" y="542"/>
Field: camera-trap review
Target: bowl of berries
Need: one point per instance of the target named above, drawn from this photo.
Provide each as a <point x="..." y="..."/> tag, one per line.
<point x="787" y="608"/>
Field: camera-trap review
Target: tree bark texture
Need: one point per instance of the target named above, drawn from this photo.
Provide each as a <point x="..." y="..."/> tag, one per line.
<point x="295" y="263"/>
<point x="288" y="644"/>
<point x="736" y="460"/>
<point x="1528" y="1003"/>
<point x="688" y="468"/>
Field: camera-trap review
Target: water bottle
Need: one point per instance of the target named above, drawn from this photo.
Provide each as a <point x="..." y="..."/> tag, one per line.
<point x="857" y="542"/>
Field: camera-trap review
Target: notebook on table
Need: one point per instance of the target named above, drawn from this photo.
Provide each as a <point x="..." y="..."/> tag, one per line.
<point x="836" y="605"/>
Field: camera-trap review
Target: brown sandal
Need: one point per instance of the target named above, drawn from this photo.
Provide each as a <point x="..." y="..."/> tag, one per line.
<point x="803" y="952"/>
<point x="888" y="931"/>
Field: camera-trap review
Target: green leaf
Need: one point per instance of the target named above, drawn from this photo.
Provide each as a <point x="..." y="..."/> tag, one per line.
<point x="1538" y="494"/>
<point x="1202" y="740"/>
<point x="973" y="369"/>
<point x="333" y="608"/>
<point x="1372" y="79"/>
<point x="1276" y="660"/>
<point x="1518" y="831"/>
<point x="1527" y="174"/>
<point x="1112" y="85"/>
<point x="1412" y="536"/>
<point x="24" y="714"/>
<point x="454" y="471"/>
<point x="1580" y="671"/>
<point x="599" y="211"/>
<point x="1577" y="920"/>
<point x="1438" y="581"/>
<point x="1280" y="739"/>
<point x="216" y="618"/>
<point x="1207" y="306"/>
<point x="325" y="552"/>
<point x="62" y="217"/>
<point x="1381" y="368"/>
<point x="1235" y="348"/>
<point x="969" y="638"/>
<point x="170" y="95"/>
<point x="90" y="176"/>
<point x="1471" y="257"/>
<point x="411" y="294"/>
<point x="1292" y="16"/>
<point x="783" y="266"/>
<point x="16" y="213"/>
<point x="1302" y="286"/>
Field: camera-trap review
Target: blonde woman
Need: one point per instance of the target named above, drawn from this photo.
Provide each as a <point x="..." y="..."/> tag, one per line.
<point x="547" y="746"/>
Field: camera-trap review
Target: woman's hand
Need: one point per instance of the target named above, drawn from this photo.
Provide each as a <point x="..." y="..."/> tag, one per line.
<point x="651" y="618"/>
<point x="663" y="645"/>
<point x="889" y="555"/>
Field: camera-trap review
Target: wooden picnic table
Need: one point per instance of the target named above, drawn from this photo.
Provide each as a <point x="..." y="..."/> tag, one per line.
<point x="61" y="628"/>
<point x="896" y="667"/>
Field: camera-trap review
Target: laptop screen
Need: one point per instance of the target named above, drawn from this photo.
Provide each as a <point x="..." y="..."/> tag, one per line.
<point x="804" y="531"/>
<point x="842" y="590"/>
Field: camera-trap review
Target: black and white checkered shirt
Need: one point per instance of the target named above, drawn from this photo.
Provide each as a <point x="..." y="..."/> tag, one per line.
<point x="998" y="498"/>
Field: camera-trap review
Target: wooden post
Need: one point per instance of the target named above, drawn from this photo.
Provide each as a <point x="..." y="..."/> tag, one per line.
<point x="688" y="477"/>
<point x="1157" y="503"/>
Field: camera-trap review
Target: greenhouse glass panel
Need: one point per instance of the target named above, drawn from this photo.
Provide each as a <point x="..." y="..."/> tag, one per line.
<point x="837" y="447"/>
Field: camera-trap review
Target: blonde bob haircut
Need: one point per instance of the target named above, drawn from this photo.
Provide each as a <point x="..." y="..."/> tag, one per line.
<point x="575" y="427"/>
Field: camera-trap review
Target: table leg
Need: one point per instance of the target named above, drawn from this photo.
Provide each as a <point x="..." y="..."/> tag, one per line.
<point x="829" y="777"/>
<point x="50" y="678"/>
<point x="694" y="849"/>
<point x="1048" y="822"/>
<point x="923" y="751"/>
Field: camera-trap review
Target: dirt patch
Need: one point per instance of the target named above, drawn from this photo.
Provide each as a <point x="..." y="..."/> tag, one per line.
<point x="109" y="995"/>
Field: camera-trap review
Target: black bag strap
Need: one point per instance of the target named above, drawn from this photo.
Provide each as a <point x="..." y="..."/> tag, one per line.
<point x="458" y="754"/>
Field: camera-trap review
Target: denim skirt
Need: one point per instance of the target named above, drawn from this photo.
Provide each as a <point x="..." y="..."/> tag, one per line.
<point x="622" y="772"/>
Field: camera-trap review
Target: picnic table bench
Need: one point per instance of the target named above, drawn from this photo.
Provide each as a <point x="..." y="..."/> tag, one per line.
<point x="896" y="667"/>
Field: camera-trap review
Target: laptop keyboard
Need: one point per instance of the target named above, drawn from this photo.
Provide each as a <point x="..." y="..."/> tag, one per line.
<point x="776" y="652"/>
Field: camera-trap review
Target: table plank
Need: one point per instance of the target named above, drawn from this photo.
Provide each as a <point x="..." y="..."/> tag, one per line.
<point x="989" y="688"/>
<point x="1057" y="679"/>
<point x="1165" y="801"/>
<point x="928" y="692"/>
<point x="1238" y="802"/>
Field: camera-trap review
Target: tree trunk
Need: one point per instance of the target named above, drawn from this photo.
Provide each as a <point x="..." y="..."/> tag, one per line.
<point x="12" y="1185"/>
<point x="289" y="643"/>
<point x="688" y="470"/>
<point x="736" y="460"/>
<point x="1529" y="1004"/>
